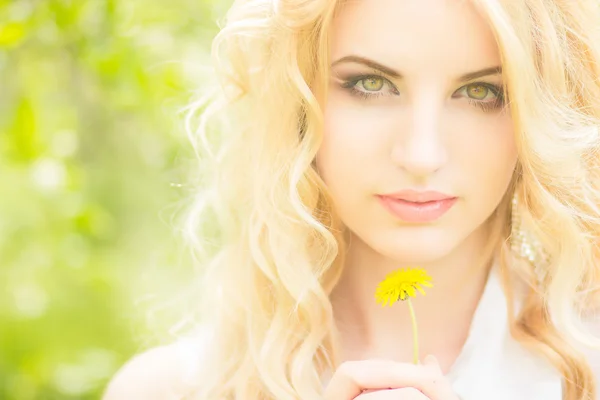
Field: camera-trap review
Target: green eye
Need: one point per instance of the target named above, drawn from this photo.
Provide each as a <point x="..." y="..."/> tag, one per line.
<point x="372" y="84"/>
<point x="477" y="91"/>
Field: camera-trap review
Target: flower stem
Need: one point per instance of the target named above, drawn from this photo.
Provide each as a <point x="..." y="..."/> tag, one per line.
<point x="415" y="332"/>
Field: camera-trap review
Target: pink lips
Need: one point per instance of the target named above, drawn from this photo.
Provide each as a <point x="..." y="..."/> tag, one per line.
<point x="417" y="207"/>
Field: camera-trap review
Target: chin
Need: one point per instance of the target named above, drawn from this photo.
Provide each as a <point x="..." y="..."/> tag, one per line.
<point x="414" y="248"/>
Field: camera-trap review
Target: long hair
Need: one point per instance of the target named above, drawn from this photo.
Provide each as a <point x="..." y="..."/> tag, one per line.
<point x="263" y="226"/>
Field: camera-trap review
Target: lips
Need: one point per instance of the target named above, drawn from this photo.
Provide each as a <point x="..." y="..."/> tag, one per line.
<point x="419" y="196"/>
<point x="417" y="207"/>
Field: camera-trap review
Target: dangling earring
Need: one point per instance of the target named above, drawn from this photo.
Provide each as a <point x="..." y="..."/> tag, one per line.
<point x="525" y="245"/>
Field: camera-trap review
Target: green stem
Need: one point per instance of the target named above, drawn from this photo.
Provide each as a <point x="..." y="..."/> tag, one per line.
<point x="415" y="332"/>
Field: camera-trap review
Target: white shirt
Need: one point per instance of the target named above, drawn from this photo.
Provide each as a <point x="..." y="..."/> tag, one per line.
<point x="492" y="365"/>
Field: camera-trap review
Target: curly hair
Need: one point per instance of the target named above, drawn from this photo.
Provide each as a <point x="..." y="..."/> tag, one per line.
<point x="276" y="247"/>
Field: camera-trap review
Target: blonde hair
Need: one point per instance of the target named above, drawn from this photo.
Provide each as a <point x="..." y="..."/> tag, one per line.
<point x="272" y="249"/>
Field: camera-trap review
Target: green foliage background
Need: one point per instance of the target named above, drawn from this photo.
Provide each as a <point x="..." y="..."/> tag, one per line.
<point x="93" y="160"/>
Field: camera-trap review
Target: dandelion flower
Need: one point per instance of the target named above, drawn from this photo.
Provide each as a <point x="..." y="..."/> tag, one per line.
<point x="402" y="284"/>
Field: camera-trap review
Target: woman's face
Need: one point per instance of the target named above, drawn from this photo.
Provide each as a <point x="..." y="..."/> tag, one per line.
<point x="415" y="105"/>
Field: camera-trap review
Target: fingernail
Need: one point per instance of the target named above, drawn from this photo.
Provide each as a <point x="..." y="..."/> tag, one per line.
<point x="430" y="360"/>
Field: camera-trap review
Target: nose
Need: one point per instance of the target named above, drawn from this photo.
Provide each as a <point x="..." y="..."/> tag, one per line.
<point x="419" y="148"/>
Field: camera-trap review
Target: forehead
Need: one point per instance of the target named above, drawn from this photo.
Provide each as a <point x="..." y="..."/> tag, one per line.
<point x="411" y="33"/>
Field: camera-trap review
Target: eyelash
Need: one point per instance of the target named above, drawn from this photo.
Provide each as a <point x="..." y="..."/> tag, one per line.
<point x="485" y="106"/>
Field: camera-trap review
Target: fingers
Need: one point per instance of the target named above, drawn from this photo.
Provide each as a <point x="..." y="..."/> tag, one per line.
<point x="353" y="377"/>
<point x="431" y="361"/>
<point x="440" y="388"/>
<point x="394" y="394"/>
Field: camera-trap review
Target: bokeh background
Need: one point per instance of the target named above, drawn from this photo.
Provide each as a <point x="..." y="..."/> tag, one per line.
<point x="94" y="174"/>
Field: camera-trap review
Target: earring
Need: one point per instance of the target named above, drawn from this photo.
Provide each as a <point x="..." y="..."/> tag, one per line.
<point x="525" y="245"/>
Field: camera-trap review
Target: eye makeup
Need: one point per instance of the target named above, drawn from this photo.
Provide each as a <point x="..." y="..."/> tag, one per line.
<point x="363" y="86"/>
<point x="485" y="96"/>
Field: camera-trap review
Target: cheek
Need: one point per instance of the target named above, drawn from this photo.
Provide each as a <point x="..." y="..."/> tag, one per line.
<point x="487" y="162"/>
<point x="356" y="139"/>
<point x="352" y="140"/>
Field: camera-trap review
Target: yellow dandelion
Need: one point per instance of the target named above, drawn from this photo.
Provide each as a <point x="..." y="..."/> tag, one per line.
<point x="401" y="285"/>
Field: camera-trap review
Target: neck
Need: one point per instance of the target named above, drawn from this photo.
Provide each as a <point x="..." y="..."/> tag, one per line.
<point x="369" y="331"/>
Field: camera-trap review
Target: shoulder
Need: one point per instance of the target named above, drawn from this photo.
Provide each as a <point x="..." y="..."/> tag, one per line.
<point x="149" y="375"/>
<point x="158" y="373"/>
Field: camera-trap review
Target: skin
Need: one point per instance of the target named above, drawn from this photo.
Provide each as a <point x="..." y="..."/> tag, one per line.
<point x="427" y="129"/>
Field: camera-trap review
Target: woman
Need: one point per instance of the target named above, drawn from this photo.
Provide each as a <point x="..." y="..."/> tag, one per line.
<point x="363" y="136"/>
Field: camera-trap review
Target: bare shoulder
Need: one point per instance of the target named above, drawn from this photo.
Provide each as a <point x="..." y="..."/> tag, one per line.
<point x="154" y="374"/>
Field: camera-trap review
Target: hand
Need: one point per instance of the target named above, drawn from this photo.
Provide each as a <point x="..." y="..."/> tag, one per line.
<point x="389" y="380"/>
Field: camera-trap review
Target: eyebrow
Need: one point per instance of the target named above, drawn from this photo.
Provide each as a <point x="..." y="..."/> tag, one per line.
<point x="395" y="74"/>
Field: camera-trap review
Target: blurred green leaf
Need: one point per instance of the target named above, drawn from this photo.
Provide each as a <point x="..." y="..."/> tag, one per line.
<point x="90" y="148"/>
<point x="24" y="132"/>
<point x="11" y="34"/>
